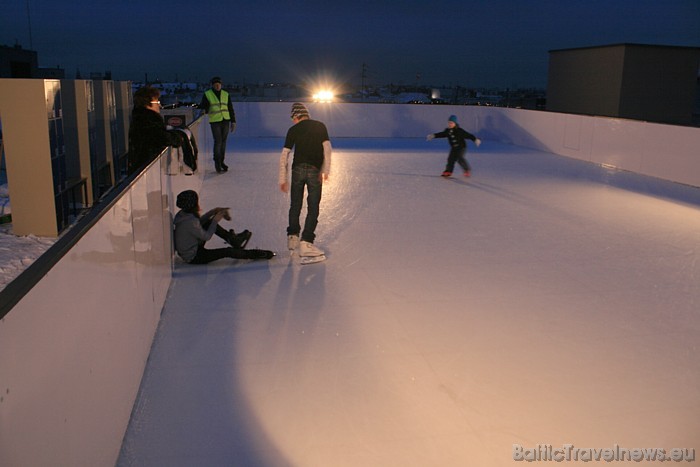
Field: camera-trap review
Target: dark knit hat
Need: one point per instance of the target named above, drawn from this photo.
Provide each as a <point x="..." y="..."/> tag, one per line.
<point x="215" y="79"/>
<point x="187" y="200"/>
<point x="299" y="110"/>
<point x="453" y="118"/>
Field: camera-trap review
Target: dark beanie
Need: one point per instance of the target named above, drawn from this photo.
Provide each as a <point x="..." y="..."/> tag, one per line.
<point x="187" y="200"/>
<point x="215" y="79"/>
<point x="299" y="110"/>
<point x="453" y="118"/>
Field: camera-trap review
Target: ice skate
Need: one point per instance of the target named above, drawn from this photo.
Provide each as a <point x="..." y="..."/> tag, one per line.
<point x="308" y="249"/>
<point x="467" y="173"/>
<point x="239" y="240"/>
<point x="292" y="242"/>
<point x="258" y="254"/>
<point x="310" y="254"/>
<point x="312" y="259"/>
<point x="446" y="174"/>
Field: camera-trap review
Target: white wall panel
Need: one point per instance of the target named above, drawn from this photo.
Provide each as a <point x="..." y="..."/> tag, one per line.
<point x="73" y="349"/>
<point x="78" y="343"/>
<point x="619" y="143"/>
<point x="671" y="152"/>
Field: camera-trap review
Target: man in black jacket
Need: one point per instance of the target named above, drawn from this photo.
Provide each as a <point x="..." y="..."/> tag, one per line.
<point x="310" y="168"/>
<point x="148" y="135"/>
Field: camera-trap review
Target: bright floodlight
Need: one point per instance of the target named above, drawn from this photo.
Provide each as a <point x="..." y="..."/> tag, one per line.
<point x="323" y="96"/>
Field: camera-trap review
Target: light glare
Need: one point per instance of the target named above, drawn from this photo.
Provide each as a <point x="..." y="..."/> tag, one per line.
<point x="323" y="96"/>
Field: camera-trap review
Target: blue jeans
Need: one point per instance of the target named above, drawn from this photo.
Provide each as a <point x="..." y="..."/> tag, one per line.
<point x="304" y="175"/>
<point x="220" y="131"/>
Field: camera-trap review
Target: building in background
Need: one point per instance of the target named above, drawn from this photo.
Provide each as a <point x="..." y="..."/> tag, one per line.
<point x="642" y="82"/>
<point x="16" y="62"/>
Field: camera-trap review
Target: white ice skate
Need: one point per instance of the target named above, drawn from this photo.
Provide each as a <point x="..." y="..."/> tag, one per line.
<point x="310" y="254"/>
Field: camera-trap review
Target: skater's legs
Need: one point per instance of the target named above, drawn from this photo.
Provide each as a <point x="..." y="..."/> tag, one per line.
<point x="226" y="235"/>
<point x="462" y="161"/>
<point x="229" y="236"/>
<point x="205" y="255"/>
<point x="296" y="192"/>
<point x="219" y="131"/>
<point x="308" y="176"/>
<point x="451" y="160"/>
<point x="313" y="202"/>
<point x="220" y="231"/>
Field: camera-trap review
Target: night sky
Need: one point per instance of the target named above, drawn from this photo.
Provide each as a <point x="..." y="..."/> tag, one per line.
<point x="473" y="43"/>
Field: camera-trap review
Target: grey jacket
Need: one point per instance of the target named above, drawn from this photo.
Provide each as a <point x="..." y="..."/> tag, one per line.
<point x="189" y="234"/>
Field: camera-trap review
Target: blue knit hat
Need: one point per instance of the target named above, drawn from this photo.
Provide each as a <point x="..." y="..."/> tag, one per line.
<point x="453" y="118"/>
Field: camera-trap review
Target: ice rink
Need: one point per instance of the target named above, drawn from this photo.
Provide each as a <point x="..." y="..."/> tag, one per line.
<point x="543" y="301"/>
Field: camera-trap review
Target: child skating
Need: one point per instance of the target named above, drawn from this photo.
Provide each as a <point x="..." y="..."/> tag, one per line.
<point x="457" y="137"/>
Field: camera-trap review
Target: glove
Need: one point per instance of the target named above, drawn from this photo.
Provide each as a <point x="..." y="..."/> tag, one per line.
<point x="233" y="127"/>
<point x="226" y="214"/>
<point x="478" y="142"/>
<point x="429" y="137"/>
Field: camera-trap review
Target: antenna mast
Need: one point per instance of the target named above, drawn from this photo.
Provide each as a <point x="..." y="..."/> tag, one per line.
<point x="29" y="20"/>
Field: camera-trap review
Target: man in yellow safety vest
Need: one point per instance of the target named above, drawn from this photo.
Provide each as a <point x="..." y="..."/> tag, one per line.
<point x="217" y="103"/>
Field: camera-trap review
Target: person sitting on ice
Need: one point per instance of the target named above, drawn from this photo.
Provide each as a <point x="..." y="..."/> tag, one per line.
<point x="192" y="231"/>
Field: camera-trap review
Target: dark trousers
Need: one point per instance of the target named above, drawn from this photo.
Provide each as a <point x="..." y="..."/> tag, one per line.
<point x="205" y="255"/>
<point x="220" y="131"/>
<point x="305" y="176"/>
<point x="226" y="235"/>
<point x="457" y="155"/>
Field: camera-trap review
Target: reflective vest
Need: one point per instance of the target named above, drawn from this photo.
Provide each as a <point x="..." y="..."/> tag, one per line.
<point x="218" y="109"/>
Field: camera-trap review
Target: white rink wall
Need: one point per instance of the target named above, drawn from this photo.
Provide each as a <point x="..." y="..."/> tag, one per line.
<point x="73" y="349"/>
<point x="663" y="151"/>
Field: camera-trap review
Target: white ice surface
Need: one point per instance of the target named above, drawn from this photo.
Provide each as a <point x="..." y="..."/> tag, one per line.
<point x="542" y="301"/>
